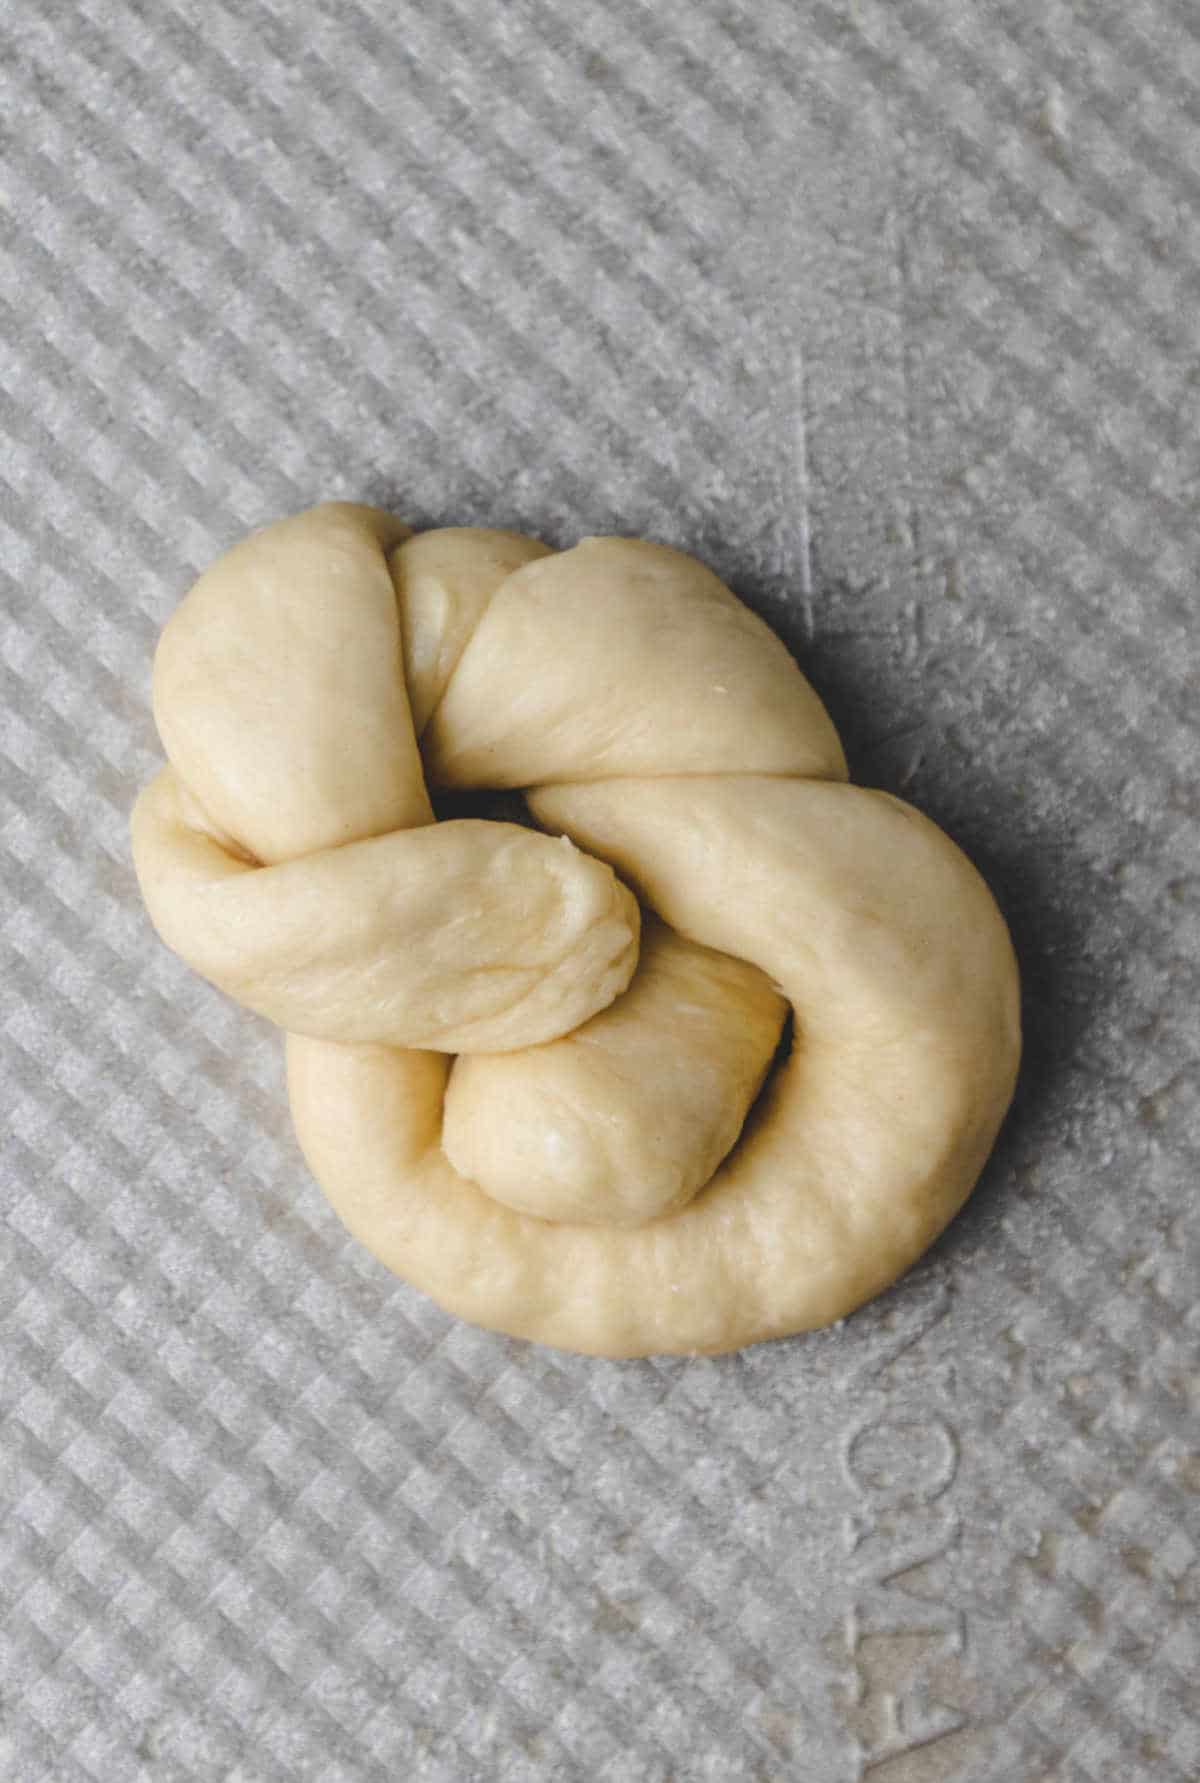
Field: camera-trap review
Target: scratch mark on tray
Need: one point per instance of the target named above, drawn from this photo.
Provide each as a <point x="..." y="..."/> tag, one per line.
<point x="804" y="508"/>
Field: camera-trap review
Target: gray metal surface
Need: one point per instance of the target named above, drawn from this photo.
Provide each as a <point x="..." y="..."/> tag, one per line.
<point x="889" y="308"/>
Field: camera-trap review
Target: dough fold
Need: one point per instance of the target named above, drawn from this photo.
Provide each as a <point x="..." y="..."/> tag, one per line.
<point x="552" y="1134"/>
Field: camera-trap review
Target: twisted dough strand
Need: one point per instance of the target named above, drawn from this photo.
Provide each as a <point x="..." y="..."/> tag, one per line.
<point x="307" y="688"/>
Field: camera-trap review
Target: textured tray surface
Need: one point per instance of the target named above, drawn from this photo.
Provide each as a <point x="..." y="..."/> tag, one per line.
<point x="888" y="308"/>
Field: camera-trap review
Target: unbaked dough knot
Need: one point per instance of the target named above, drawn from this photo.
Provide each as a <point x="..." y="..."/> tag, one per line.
<point x="746" y="1125"/>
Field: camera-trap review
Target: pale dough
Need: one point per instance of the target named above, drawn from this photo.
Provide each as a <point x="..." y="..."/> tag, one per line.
<point x="593" y="1170"/>
<point x="629" y="1116"/>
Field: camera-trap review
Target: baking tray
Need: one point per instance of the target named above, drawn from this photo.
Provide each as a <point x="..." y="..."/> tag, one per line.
<point x="888" y="309"/>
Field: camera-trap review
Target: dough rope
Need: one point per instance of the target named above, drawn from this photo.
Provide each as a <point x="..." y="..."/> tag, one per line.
<point x="538" y="1106"/>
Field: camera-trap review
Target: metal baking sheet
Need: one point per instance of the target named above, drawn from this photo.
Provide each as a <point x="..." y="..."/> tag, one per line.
<point x="889" y="309"/>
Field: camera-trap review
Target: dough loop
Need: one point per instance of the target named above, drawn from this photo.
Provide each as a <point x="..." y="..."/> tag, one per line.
<point x="554" y="1129"/>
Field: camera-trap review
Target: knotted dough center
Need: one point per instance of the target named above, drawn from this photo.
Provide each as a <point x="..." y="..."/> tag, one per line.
<point x="526" y="1089"/>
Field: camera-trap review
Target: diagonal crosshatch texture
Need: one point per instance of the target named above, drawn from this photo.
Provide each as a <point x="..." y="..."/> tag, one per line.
<point x="889" y="310"/>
